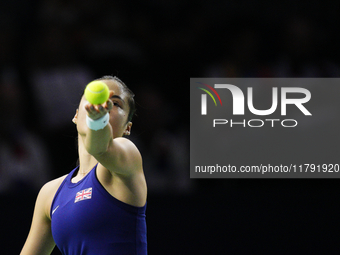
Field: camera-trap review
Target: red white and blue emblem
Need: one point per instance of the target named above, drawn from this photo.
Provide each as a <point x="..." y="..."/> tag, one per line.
<point x="83" y="195"/>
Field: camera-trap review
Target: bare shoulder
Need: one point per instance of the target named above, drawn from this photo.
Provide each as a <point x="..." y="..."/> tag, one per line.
<point x="122" y="157"/>
<point x="52" y="185"/>
<point x="121" y="173"/>
<point x="47" y="193"/>
<point x="129" y="150"/>
<point x="127" y="143"/>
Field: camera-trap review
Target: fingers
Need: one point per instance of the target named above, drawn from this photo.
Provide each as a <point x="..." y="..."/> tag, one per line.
<point x="108" y="105"/>
<point x="90" y="108"/>
<point x="97" y="111"/>
<point x="111" y="93"/>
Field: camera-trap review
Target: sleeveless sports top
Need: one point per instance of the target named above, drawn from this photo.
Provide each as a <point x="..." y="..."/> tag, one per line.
<point x="87" y="220"/>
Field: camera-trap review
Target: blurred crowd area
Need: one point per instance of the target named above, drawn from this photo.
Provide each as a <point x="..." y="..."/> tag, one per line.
<point x="49" y="51"/>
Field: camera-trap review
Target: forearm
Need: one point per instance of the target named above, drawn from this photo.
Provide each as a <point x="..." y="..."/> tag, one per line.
<point x="97" y="142"/>
<point x="98" y="131"/>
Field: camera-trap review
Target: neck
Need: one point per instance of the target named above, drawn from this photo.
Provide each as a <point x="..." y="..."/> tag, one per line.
<point x="86" y="160"/>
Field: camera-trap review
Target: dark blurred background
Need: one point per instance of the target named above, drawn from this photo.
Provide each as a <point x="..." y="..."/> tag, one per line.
<point x="49" y="51"/>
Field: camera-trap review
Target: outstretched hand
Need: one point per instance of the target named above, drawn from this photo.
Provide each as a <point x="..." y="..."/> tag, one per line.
<point x="97" y="111"/>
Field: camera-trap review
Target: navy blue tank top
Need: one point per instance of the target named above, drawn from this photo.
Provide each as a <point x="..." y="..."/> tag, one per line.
<point x="87" y="220"/>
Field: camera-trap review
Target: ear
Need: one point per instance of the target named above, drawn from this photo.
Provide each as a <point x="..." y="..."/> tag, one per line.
<point x="128" y="128"/>
<point x="75" y="118"/>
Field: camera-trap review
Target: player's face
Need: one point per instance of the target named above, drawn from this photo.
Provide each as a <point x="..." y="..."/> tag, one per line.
<point x="118" y="114"/>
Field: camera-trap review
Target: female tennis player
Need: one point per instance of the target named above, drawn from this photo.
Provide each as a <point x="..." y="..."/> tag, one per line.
<point x="99" y="207"/>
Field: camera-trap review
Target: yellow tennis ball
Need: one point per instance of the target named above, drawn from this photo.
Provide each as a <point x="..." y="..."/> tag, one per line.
<point x="97" y="92"/>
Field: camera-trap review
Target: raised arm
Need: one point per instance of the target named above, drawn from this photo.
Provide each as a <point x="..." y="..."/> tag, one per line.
<point x="117" y="154"/>
<point x="120" y="163"/>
